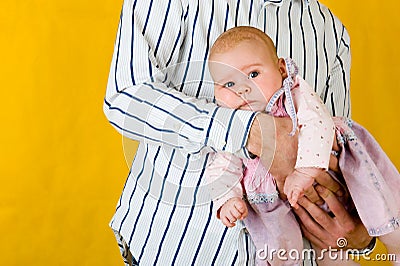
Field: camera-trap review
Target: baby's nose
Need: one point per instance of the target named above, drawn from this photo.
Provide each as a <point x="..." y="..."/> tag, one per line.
<point x="243" y="90"/>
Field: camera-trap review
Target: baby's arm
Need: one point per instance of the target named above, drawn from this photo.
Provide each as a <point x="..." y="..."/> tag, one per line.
<point x="223" y="177"/>
<point x="315" y="140"/>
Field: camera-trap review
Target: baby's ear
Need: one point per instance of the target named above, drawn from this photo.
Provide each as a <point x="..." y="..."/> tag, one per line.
<point x="282" y="67"/>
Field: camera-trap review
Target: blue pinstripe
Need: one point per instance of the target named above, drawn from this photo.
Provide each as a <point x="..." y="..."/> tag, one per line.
<point x="244" y="140"/>
<point x="132" y="49"/>
<point x="314" y="85"/>
<point x="202" y="236"/>
<point x="290" y="30"/>
<point x="228" y="130"/>
<point x="162" y="28"/>
<point x="209" y="129"/>
<point x="303" y="38"/>
<point x="130" y="199"/>
<point x="226" y="17"/>
<point x="147" y="18"/>
<point x="237" y="12"/>
<point x="219" y="246"/>
<point x="155" y="211"/>
<point x="190" y="216"/>
<point x="190" y="52"/>
<point x="120" y="199"/>
<point x="165" y="111"/>
<point x="176" y="98"/>
<point x="141" y="136"/>
<point x="172" y="212"/>
<point x="117" y="59"/>
<point x="143" y="202"/>
<point x="145" y="122"/>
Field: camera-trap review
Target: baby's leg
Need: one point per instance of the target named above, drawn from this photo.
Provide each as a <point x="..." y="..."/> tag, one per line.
<point x="392" y="244"/>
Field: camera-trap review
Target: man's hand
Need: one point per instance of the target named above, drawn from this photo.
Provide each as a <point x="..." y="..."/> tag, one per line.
<point x="325" y="180"/>
<point x="323" y="230"/>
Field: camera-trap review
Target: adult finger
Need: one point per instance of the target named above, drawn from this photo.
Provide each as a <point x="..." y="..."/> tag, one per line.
<point x="308" y="222"/>
<point x="333" y="160"/>
<point x="334" y="164"/>
<point x="335" y="145"/>
<point x="326" y="180"/>
<point x="313" y="231"/>
<point x="319" y="215"/>
<point x="313" y="196"/>
<point x="336" y="207"/>
<point x="313" y="239"/>
<point x="280" y="184"/>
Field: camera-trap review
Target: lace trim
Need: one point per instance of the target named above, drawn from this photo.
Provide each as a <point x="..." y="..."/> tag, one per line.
<point x="257" y="198"/>
<point x="392" y="225"/>
<point x="345" y="133"/>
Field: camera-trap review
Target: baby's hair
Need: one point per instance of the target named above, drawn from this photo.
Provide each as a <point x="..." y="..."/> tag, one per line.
<point x="234" y="36"/>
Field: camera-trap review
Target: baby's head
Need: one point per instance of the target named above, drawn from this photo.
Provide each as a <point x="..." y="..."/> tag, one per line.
<point x="245" y="68"/>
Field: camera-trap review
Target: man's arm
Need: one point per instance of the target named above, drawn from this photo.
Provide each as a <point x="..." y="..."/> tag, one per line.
<point x="269" y="139"/>
<point x="142" y="102"/>
<point x="336" y="94"/>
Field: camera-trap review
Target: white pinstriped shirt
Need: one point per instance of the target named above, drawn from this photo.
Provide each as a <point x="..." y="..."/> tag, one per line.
<point x="160" y="93"/>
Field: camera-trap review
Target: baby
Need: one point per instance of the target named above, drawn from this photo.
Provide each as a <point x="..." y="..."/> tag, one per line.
<point x="248" y="75"/>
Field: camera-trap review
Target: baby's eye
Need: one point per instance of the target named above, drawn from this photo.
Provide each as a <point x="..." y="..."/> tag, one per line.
<point x="253" y="74"/>
<point x="229" y="84"/>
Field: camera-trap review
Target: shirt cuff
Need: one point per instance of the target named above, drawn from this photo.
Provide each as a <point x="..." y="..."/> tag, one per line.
<point x="228" y="130"/>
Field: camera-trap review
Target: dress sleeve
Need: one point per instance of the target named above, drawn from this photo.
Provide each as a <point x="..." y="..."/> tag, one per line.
<point x="223" y="177"/>
<point x="140" y="101"/>
<point x="316" y="128"/>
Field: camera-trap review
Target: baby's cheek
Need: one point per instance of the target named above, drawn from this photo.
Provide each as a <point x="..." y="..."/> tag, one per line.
<point x="227" y="98"/>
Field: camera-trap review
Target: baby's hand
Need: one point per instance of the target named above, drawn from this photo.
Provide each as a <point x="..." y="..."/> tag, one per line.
<point x="297" y="182"/>
<point x="232" y="210"/>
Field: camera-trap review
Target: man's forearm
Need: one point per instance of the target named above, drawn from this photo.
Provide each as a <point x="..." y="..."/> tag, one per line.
<point x="261" y="140"/>
<point x="269" y="139"/>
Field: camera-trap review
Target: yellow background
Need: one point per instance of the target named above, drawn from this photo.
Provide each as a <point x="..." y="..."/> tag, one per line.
<point x="62" y="166"/>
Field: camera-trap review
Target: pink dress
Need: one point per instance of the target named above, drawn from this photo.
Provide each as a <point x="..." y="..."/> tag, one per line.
<point x="371" y="178"/>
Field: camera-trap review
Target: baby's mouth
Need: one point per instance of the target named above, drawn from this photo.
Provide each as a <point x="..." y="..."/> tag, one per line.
<point x="247" y="105"/>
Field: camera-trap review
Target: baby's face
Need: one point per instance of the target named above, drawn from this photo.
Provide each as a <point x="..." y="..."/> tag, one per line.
<point x="246" y="76"/>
